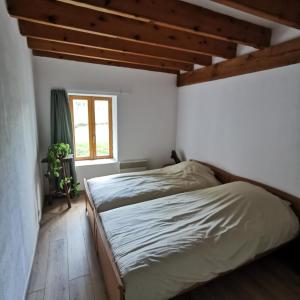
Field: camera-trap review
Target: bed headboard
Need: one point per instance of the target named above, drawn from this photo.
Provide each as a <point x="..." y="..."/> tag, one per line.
<point x="226" y="177"/>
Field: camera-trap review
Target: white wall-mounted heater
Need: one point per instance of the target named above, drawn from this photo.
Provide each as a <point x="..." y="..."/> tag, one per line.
<point x="128" y="166"/>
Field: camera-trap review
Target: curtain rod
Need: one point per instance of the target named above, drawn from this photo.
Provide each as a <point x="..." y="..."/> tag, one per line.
<point x="99" y="93"/>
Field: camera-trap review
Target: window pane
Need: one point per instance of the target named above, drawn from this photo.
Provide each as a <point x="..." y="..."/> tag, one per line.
<point x="102" y="127"/>
<point x="81" y="125"/>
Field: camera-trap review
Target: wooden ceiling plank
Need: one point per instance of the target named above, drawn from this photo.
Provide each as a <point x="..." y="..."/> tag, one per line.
<point x="58" y="47"/>
<point x="100" y="61"/>
<point x="186" y="17"/>
<point x="286" y="12"/>
<point x="41" y="31"/>
<point x="87" y="20"/>
<point x="280" y="55"/>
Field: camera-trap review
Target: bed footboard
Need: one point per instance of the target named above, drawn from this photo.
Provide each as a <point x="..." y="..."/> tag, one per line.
<point x="90" y="209"/>
<point x="113" y="282"/>
<point x="114" y="285"/>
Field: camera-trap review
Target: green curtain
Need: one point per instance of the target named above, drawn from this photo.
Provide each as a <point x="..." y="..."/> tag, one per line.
<point x="61" y="124"/>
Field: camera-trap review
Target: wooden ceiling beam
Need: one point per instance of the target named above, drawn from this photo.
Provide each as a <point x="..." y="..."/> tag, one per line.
<point x="100" y="61"/>
<point x="184" y="16"/>
<point x="87" y="20"/>
<point x="280" y="55"/>
<point x="41" y="31"/>
<point x="63" y="48"/>
<point x="286" y="12"/>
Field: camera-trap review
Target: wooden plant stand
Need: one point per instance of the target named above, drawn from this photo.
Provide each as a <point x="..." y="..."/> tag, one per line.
<point x="53" y="193"/>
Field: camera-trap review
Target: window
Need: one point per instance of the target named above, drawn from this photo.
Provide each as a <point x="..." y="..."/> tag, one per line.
<point x="92" y="126"/>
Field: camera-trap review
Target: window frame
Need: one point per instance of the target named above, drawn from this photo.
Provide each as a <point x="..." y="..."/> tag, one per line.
<point x="92" y="125"/>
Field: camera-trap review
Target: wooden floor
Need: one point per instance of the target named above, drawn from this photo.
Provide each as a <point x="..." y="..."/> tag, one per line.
<point x="66" y="266"/>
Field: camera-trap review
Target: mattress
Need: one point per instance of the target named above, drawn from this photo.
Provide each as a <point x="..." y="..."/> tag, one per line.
<point x="167" y="245"/>
<point x="114" y="191"/>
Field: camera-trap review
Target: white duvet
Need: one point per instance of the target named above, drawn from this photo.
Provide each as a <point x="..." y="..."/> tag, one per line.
<point x="167" y="245"/>
<point x="113" y="191"/>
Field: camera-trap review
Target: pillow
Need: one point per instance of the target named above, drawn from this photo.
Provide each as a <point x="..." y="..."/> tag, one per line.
<point x="192" y="170"/>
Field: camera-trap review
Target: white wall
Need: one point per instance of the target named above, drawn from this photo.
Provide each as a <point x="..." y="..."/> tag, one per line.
<point x="248" y="125"/>
<point x="146" y="105"/>
<point x="91" y="170"/>
<point x="19" y="167"/>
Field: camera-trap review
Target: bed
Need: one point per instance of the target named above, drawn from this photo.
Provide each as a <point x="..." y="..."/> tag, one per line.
<point x="109" y="192"/>
<point x="132" y="259"/>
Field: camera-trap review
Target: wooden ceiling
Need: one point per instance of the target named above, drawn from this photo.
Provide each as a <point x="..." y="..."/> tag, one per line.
<point x="167" y="36"/>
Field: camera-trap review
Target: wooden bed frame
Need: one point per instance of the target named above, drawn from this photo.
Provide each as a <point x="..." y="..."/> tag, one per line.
<point x="113" y="282"/>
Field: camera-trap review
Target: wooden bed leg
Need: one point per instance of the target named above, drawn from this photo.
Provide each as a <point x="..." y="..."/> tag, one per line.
<point x="86" y="203"/>
<point x="86" y="210"/>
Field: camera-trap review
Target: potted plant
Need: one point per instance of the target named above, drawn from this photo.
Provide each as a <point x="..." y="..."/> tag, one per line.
<point x="56" y="154"/>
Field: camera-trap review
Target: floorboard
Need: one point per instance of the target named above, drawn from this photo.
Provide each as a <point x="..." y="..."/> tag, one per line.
<point x="39" y="269"/>
<point x="66" y="266"/>
<point x="57" y="283"/>
<point x="37" y="295"/>
<point x="77" y="257"/>
<point x="95" y="271"/>
<point x="81" y="288"/>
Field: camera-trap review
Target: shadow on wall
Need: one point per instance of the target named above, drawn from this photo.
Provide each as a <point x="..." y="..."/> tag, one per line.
<point x="181" y="155"/>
